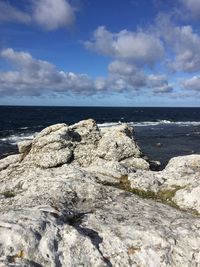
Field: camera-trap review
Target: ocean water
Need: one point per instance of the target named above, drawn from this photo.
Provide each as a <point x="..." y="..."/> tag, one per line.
<point x="176" y="129"/>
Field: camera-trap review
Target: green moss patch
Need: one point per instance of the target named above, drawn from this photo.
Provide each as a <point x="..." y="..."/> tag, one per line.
<point x="9" y="194"/>
<point x="164" y="196"/>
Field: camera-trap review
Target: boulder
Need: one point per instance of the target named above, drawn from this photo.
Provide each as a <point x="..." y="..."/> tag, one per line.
<point x="52" y="147"/>
<point x="118" y="143"/>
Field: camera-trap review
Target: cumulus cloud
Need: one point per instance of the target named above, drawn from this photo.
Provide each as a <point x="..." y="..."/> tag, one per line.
<point x="184" y="42"/>
<point x="133" y="53"/>
<point x="49" y="14"/>
<point x="130" y="74"/>
<point x="159" y="84"/>
<point x="192" y="83"/>
<point x="139" y="47"/>
<point x="34" y="77"/>
<point x="37" y="77"/>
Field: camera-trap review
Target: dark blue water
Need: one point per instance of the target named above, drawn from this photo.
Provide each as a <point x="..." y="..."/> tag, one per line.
<point x="177" y="129"/>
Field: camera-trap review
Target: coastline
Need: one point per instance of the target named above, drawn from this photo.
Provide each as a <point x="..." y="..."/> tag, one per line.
<point x="78" y="194"/>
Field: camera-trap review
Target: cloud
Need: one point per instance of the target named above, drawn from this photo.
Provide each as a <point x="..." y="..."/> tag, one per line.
<point x="134" y="54"/>
<point x="33" y="77"/>
<point x="10" y="13"/>
<point x="130" y="74"/>
<point x="192" y="83"/>
<point x="159" y="84"/>
<point x="193" y="6"/>
<point x="183" y="41"/>
<point x="49" y="14"/>
<point x="37" y="77"/>
<point x="139" y="47"/>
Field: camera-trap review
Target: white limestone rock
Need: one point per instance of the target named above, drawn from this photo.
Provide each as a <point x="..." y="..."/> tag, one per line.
<point x="146" y="180"/>
<point x="136" y="163"/>
<point x="52" y="147"/>
<point x="117" y="143"/>
<point x="24" y="146"/>
<point x="188" y="198"/>
<point x="86" y="135"/>
<point x="63" y="217"/>
<point x="181" y="175"/>
<point x="10" y="160"/>
<point x="61" y="204"/>
<point x="108" y="168"/>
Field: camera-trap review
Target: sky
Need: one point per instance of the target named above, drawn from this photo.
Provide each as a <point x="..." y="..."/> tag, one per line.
<point x="100" y="52"/>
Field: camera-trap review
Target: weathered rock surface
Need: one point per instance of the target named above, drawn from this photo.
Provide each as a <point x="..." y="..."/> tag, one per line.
<point x="70" y="211"/>
<point x="181" y="178"/>
<point x="118" y="144"/>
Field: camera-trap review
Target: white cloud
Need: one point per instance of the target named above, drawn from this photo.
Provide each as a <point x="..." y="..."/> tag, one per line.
<point x="11" y="13"/>
<point x="159" y="84"/>
<point x="37" y="77"/>
<point x="131" y="75"/>
<point x="49" y="14"/>
<point x="139" y="47"/>
<point x="184" y="42"/>
<point x="192" y="83"/>
<point x="33" y="77"/>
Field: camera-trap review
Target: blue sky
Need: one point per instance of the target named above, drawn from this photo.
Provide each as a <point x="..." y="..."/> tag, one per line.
<point x="100" y="52"/>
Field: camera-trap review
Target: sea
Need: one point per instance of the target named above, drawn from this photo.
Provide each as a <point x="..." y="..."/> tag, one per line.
<point x="162" y="133"/>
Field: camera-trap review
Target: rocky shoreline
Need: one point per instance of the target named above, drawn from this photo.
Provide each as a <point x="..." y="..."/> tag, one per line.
<point x="83" y="196"/>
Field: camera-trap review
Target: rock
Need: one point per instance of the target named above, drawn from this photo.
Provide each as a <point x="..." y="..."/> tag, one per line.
<point x="189" y="164"/>
<point x="155" y="165"/>
<point x="108" y="168"/>
<point x="135" y="164"/>
<point x="24" y="146"/>
<point x="81" y="144"/>
<point x="159" y="144"/>
<point x="87" y="130"/>
<point x="188" y="198"/>
<point x="180" y="177"/>
<point x="49" y="157"/>
<point x="117" y="143"/>
<point x="52" y="147"/>
<point x="10" y="160"/>
<point x="146" y="180"/>
<point x="64" y="204"/>
<point x="88" y="136"/>
<point x="63" y="217"/>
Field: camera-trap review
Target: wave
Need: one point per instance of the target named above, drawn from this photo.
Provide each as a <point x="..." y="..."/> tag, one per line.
<point x="16" y="138"/>
<point x="152" y="123"/>
<point x="13" y="139"/>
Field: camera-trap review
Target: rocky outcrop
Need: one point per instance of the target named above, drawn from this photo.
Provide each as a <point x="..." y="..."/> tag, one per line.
<point x="180" y="179"/>
<point x="64" y="201"/>
<point x="83" y="144"/>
